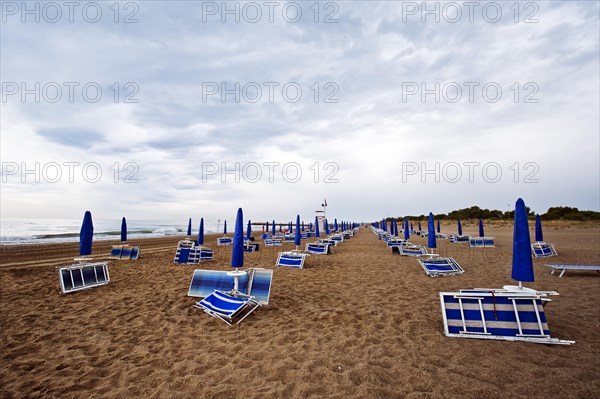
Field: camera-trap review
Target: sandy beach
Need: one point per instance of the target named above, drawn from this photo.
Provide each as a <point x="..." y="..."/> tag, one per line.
<point x="359" y="323"/>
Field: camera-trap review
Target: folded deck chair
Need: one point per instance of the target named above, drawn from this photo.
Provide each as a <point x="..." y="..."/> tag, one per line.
<point x="124" y="252"/>
<point x="272" y="243"/>
<point x="541" y="249"/>
<point x="83" y="276"/>
<point x="204" y="282"/>
<point x="222" y="241"/>
<point x="411" y="250"/>
<point x="396" y="242"/>
<point x="440" y="266"/>
<point x="441" y="236"/>
<point x="481" y="242"/>
<point x="337" y="237"/>
<point x="265" y="236"/>
<point x="184" y="252"/>
<point x="291" y="259"/>
<point x="228" y="307"/>
<point x="259" y="285"/>
<point x="497" y="314"/>
<point x="317" y="248"/>
<point x="250" y="246"/>
<point x="459" y="239"/>
<point x="331" y="243"/>
<point x="564" y="268"/>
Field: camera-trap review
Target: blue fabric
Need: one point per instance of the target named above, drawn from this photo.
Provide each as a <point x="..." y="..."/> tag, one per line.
<point x="189" y="229"/>
<point x="204" y="282"/>
<point x="538" y="229"/>
<point x="326" y="226"/>
<point x="200" y="239"/>
<point x="222" y="303"/>
<point x="123" y="230"/>
<point x="431" y="243"/>
<point x="225" y="227"/>
<point x="249" y="230"/>
<point x="481" y="234"/>
<point x="459" y="228"/>
<point x="419" y="224"/>
<point x="522" y="263"/>
<point x="438" y="225"/>
<point x="86" y="235"/>
<point x="291" y="261"/>
<point x="406" y="230"/>
<point x="237" y="257"/>
<point x="261" y="285"/>
<point x="317" y="233"/>
<point x="335" y="225"/>
<point x="298" y="236"/>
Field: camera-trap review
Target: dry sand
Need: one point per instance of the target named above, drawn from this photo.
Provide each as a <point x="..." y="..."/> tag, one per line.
<point x="360" y="323"/>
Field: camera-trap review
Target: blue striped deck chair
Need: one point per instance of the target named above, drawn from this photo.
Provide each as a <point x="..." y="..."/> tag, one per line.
<point x="337" y="237"/>
<point x="481" y="242"/>
<point x="497" y="314"/>
<point x="564" y="268"/>
<point x="396" y="242"/>
<point x="250" y="246"/>
<point x="131" y="253"/>
<point x="204" y="282"/>
<point x="227" y="307"/>
<point x="259" y="286"/>
<point x="115" y="252"/>
<point x="541" y="249"/>
<point x="272" y="243"/>
<point x="289" y="238"/>
<point x="317" y="248"/>
<point x="412" y="250"/>
<point x="265" y="236"/>
<point x="186" y="252"/>
<point x="222" y="241"/>
<point x="83" y="276"/>
<point x="331" y="243"/>
<point x="455" y="238"/>
<point x="440" y="266"/>
<point x="291" y="259"/>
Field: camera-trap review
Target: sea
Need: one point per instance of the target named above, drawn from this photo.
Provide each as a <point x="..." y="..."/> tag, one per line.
<point x="39" y="231"/>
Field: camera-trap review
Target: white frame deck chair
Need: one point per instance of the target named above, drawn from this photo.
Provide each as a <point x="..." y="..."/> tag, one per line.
<point x="83" y="276"/>
<point x="411" y="250"/>
<point x="293" y="259"/>
<point x="456" y="239"/>
<point x="435" y="266"/>
<point x="272" y="243"/>
<point x="337" y="237"/>
<point x="317" y="248"/>
<point x="227" y="307"/>
<point x="498" y="314"/>
<point x="541" y="249"/>
<point x="481" y="242"/>
<point x="223" y="241"/>
<point x="441" y="236"/>
<point x="185" y="254"/>
<point x="564" y="268"/>
<point x="250" y="246"/>
<point x="396" y="242"/>
<point x="115" y="251"/>
<point x="331" y="243"/>
<point x="204" y="282"/>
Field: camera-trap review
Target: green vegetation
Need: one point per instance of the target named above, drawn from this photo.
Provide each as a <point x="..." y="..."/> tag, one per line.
<point x="475" y="212"/>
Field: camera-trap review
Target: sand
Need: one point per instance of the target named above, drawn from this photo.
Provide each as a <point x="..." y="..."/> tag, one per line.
<point x="360" y="323"/>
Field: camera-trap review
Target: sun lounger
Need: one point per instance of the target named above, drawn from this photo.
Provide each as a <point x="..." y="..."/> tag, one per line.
<point x="481" y="242"/>
<point x="459" y="239"/>
<point x="396" y="242"/>
<point x="564" y="268"/>
<point x="440" y="266"/>
<point x="250" y="246"/>
<point x="497" y="314"/>
<point x="223" y="241"/>
<point x="227" y="307"/>
<point x="204" y="282"/>
<point x="331" y="243"/>
<point x="189" y="253"/>
<point x="83" y="276"/>
<point x="543" y="249"/>
<point x="259" y="285"/>
<point x="317" y="248"/>
<point x="337" y="237"/>
<point x="291" y="259"/>
<point x="124" y="252"/>
<point x="272" y="243"/>
<point x="411" y="250"/>
<point x="441" y="236"/>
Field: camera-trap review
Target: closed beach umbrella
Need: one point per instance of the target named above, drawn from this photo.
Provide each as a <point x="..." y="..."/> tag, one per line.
<point x="302" y="226"/>
<point x="326" y="226"/>
<point x="538" y="229"/>
<point x="249" y="231"/>
<point x="459" y="228"/>
<point x="298" y="235"/>
<point x="406" y="231"/>
<point x="522" y="263"/>
<point x="317" y="233"/>
<point x="273" y="232"/>
<point x="411" y="226"/>
<point x="335" y="225"/>
<point x="431" y="243"/>
<point x="237" y="256"/>
<point x="225" y="227"/>
<point x="200" y="239"/>
<point x="189" y="229"/>
<point x="86" y="235"/>
<point x="481" y="234"/>
<point x="290" y="227"/>
<point x="123" y="229"/>
<point x="419" y="224"/>
<point x="438" y="225"/>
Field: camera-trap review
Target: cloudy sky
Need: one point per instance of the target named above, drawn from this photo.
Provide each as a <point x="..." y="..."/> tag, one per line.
<point x="165" y="110"/>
